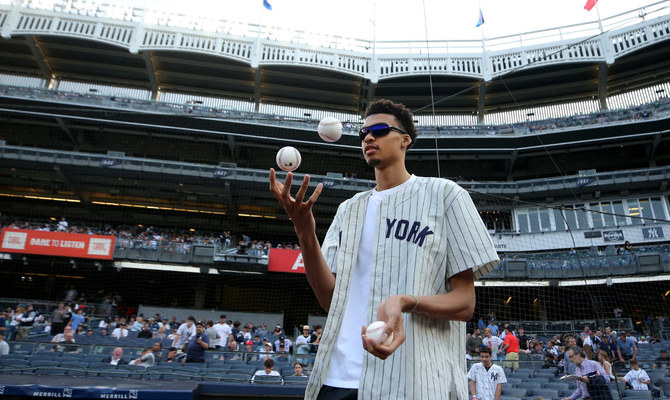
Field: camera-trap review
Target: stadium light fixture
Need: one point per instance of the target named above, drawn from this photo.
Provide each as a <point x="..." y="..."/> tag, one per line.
<point x="667" y="293"/>
<point x="508" y="300"/>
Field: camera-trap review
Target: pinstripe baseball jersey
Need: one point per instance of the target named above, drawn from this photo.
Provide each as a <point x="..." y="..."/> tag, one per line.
<point x="425" y="233"/>
<point x="486" y="381"/>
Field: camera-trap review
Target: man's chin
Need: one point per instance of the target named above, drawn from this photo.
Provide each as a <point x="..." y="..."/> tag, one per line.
<point x="374" y="162"/>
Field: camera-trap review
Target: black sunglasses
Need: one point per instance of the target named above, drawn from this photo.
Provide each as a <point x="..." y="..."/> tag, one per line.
<point x="378" y="130"/>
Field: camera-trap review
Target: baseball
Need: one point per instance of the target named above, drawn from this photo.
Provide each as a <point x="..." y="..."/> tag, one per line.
<point x="375" y="330"/>
<point x="330" y="129"/>
<point x="288" y="158"/>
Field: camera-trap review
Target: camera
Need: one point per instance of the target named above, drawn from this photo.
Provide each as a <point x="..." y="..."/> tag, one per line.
<point x="197" y="336"/>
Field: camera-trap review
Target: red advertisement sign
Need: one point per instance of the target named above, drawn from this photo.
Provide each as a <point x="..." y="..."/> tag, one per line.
<point x="284" y="260"/>
<point x="57" y="244"/>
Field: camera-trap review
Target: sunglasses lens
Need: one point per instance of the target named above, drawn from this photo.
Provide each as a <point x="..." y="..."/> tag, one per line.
<point x="376" y="131"/>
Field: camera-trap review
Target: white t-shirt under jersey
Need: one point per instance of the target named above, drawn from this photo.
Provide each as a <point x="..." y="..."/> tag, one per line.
<point x="347" y="362"/>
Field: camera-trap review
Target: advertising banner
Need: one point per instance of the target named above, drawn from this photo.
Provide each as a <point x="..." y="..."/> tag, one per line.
<point x="284" y="260"/>
<point x="57" y="244"/>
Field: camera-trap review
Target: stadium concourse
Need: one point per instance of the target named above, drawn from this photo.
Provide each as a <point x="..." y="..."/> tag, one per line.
<point x="134" y="160"/>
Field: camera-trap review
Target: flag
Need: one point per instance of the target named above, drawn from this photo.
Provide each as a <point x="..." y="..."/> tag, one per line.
<point x="480" y="21"/>
<point x="590" y="4"/>
<point x="267" y="5"/>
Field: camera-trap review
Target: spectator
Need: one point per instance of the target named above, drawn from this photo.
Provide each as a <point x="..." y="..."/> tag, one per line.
<point x="316" y="338"/>
<point x="146" y="359"/>
<point x="121" y="331"/>
<point x="212" y="334"/>
<point x="26" y="321"/>
<point x="625" y="347"/>
<point x="494" y="328"/>
<point x="591" y="345"/>
<point x="185" y="332"/>
<point x="58" y="319"/>
<point x="146" y="332"/>
<point x="267" y="370"/>
<point x="116" y="358"/>
<point x="173" y="355"/>
<point x="157" y="350"/>
<point x="592" y="381"/>
<point x="492" y="342"/>
<point x="486" y="379"/>
<point x="15" y="322"/>
<point x="524" y="339"/>
<point x="4" y="347"/>
<point x="71" y="295"/>
<point x="197" y="345"/>
<point x="549" y="362"/>
<point x="78" y="318"/>
<point x="161" y="334"/>
<point x="278" y="331"/>
<point x="637" y="377"/>
<point x="511" y="348"/>
<point x="62" y="225"/>
<point x="302" y="341"/>
<point x="604" y="360"/>
<point x="262" y="330"/>
<point x="282" y="354"/>
<point x="283" y="341"/>
<point x="473" y="343"/>
<point x="299" y="370"/>
<point x="224" y="332"/>
<point x="570" y="367"/>
<point x="663" y="361"/>
<point x="67" y="345"/>
<point x="61" y="336"/>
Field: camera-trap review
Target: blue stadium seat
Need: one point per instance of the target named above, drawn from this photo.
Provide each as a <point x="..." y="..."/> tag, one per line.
<point x="50" y="371"/>
<point x="637" y="394"/>
<point x="267" y="379"/>
<point x="296" y="380"/>
<point x="514" y="392"/>
<point x="43" y="363"/>
<point x="544" y="393"/>
<point x="237" y="377"/>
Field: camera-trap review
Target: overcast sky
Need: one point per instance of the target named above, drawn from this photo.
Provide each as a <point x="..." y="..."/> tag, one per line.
<point x="408" y="19"/>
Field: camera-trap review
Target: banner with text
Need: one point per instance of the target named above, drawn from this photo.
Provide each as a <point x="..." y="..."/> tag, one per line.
<point x="57" y="244"/>
<point x="284" y="260"/>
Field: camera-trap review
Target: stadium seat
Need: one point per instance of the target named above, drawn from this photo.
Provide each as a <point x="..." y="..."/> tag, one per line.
<point x="560" y="386"/>
<point x="267" y="379"/>
<point x="43" y="363"/>
<point x="514" y="392"/>
<point x="529" y="385"/>
<point x="238" y="377"/>
<point x="21" y="348"/>
<point x="544" y="393"/>
<point x="522" y="373"/>
<point x="50" y="371"/>
<point x="244" y="368"/>
<point x="295" y="380"/>
<point x="637" y="394"/>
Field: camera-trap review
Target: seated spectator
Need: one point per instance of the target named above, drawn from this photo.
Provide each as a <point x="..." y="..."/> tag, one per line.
<point x="663" y="361"/>
<point x="146" y="359"/>
<point x="268" y="370"/>
<point x="157" y="350"/>
<point x="604" y="360"/>
<point x="637" y="377"/>
<point x="67" y="345"/>
<point x="161" y="334"/>
<point x="302" y="341"/>
<point x="116" y="358"/>
<point x="173" y="356"/>
<point x="4" y="347"/>
<point x="121" y="331"/>
<point x="550" y="361"/>
<point x="146" y="332"/>
<point x="282" y="354"/>
<point x="61" y="336"/>
<point x="298" y="370"/>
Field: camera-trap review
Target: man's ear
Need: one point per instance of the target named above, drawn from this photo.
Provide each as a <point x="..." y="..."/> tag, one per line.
<point x="407" y="141"/>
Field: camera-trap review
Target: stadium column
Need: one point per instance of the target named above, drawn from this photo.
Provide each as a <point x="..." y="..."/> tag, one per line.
<point x="602" y="85"/>
<point x="257" y="89"/>
<point x="201" y="288"/>
<point x="482" y="101"/>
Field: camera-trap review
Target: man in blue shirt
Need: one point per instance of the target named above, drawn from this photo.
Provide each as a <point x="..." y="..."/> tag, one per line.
<point x="625" y="347"/>
<point x="197" y="345"/>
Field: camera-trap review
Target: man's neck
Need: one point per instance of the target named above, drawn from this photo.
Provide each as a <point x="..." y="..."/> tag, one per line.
<point x="391" y="176"/>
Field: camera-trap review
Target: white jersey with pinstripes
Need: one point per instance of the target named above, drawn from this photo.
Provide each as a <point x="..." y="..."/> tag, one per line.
<point x="425" y="233"/>
<point x="486" y="381"/>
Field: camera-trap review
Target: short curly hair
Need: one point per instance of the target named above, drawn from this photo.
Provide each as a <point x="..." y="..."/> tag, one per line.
<point x="399" y="111"/>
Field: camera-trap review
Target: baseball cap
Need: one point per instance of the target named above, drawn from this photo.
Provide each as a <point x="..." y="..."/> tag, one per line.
<point x="172" y="349"/>
<point x="306" y="327"/>
<point x="264" y="338"/>
<point x="281" y="338"/>
<point x="248" y="342"/>
<point x="590" y="332"/>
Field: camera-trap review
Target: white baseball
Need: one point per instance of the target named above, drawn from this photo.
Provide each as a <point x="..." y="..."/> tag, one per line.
<point x="375" y="330"/>
<point x="288" y="158"/>
<point x="330" y="129"/>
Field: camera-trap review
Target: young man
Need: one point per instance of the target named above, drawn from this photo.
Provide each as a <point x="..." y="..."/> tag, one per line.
<point x="268" y="370"/>
<point x="486" y="379"/>
<point x="412" y="245"/>
<point x="637" y="377"/>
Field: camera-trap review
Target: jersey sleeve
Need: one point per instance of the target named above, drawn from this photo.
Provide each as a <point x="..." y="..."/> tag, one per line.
<point x="332" y="241"/>
<point x="468" y="241"/>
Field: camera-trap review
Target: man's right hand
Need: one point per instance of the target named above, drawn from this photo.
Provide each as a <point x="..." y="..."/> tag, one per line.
<point x="298" y="210"/>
